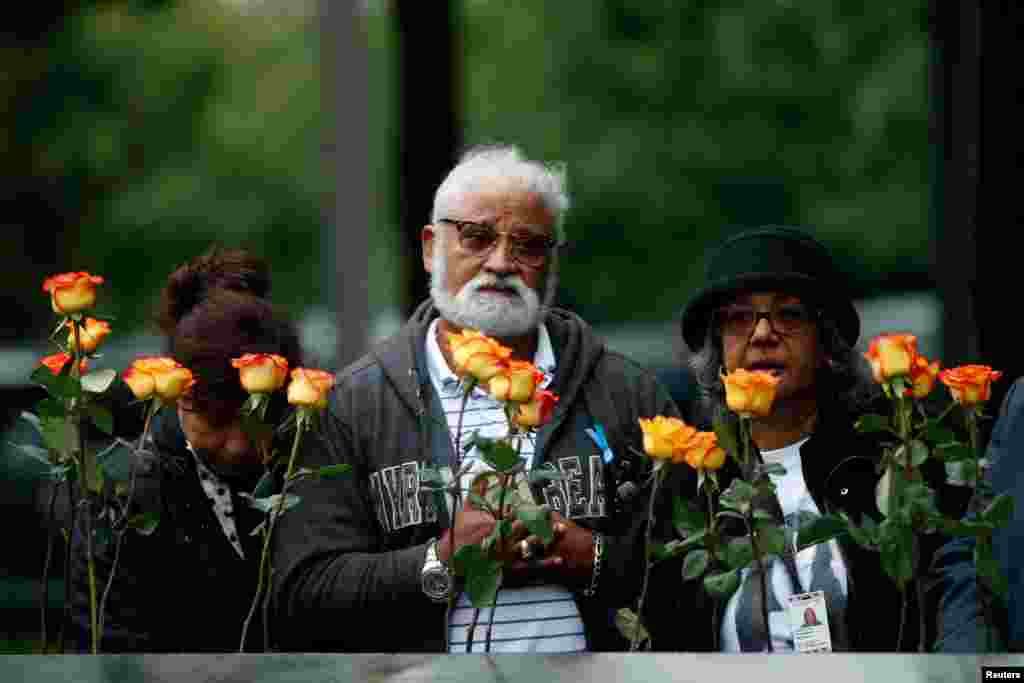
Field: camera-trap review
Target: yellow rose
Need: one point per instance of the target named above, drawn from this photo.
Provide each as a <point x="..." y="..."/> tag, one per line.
<point x="537" y="411"/>
<point x="663" y="436"/>
<point x="750" y="393"/>
<point x="163" y="376"/>
<point x="72" y="292"/>
<point x="92" y="332"/>
<point x="891" y="355"/>
<point x="261" y="373"/>
<point x="517" y="383"/>
<point x="922" y="377"/>
<point x="970" y="384"/>
<point x="57" y="361"/>
<point x="477" y="356"/>
<point x="701" y="452"/>
<point x="309" y="388"/>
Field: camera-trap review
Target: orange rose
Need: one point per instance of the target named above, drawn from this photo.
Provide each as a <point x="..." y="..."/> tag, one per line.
<point x="261" y="373"/>
<point x="477" y="356"/>
<point x="92" y="333"/>
<point x="922" y="376"/>
<point x="701" y="452"/>
<point x="72" y="292"/>
<point x="163" y="376"/>
<point x="970" y="384"/>
<point x="57" y="361"/>
<point x="891" y="355"/>
<point x="663" y="436"/>
<point x="517" y="383"/>
<point x="750" y="393"/>
<point x="309" y="387"/>
<point x="538" y="411"/>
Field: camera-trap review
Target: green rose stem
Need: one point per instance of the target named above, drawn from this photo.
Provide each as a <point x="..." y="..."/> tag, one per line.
<point x="711" y="534"/>
<point x="746" y="437"/>
<point x="45" y="598"/>
<point x="455" y="491"/>
<point x="301" y="424"/>
<point x="658" y="474"/>
<point x="83" y="478"/>
<point x="971" y="415"/>
<point x="151" y="410"/>
<point x="503" y="480"/>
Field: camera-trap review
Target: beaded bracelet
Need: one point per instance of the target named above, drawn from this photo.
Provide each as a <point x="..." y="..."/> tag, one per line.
<point x="591" y="590"/>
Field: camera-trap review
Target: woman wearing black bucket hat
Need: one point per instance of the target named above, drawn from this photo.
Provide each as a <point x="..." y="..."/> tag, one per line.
<point x="775" y="301"/>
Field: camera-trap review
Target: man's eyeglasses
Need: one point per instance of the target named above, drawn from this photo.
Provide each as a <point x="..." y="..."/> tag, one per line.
<point x="787" y="319"/>
<point x="478" y="239"/>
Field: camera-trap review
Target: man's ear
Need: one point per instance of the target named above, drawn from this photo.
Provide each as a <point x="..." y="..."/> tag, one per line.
<point x="427" y="240"/>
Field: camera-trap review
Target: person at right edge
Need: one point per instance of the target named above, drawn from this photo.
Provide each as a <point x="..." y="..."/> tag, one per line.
<point x="773" y="300"/>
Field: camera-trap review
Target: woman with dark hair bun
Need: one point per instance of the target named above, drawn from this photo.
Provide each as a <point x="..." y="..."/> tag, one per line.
<point x="189" y="585"/>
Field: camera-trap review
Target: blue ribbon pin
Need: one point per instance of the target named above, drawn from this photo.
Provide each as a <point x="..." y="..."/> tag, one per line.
<point x="598" y="437"/>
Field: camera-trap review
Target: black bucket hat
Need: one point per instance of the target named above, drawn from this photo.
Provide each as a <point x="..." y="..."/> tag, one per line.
<point x="770" y="258"/>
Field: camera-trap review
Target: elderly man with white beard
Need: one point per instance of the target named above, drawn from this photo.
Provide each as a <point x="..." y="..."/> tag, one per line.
<point x="361" y="562"/>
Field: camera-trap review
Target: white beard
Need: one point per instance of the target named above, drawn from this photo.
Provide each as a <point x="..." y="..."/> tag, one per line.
<point x="496" y="315"/>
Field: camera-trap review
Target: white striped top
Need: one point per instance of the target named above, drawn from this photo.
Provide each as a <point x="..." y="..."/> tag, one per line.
<point x="540" y="618"/>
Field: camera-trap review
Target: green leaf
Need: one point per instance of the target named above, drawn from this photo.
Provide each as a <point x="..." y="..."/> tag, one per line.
<point x="60" y="386"/>
<point x="628" y="624"/>
<point x="537" y="519"/>
<point x="101" y="417"/>
<point x="737" y="496"/>
<point x="882" y="492"/>
<point x="955" y="527"/>
<point x="265" y="486"/>
<point x="897" y="545"/>
<point x="936" y="434"/>
<point x="30" y="462"/>
<point x="988" y="567"/>
<point x="769" y="468"/>
<point x="737" y="553"/>
<point x="50" y="408"/>
<point x="820" y="529"/>
<point x="270" y="503"/>
<point x="117" y="459"/>
<point x="687" y="516"/>
<point x="918" y="452"/>
<point x="482" y="575"/>
<point x="98" y="381"/>
<point x="695" y="564"/>
<point x="544" y="475"/>
<point x="763" y="515"/>
<point x="722" y="585"/>
<point x="873" y="423"/>
<point x="144" y="523"/>
<point x="59" y="434"/>
<point x="771" y="539"/>
<point x="332" y="471"/>
<point x="727" y="436"/>
<point x="953" y="452"/>
<point x="431" y="476"/>
<point x="480" y="503"/>
<point x="497" y="453"/>
<point x="502" y="528"/>
<point x="999" y="511"/>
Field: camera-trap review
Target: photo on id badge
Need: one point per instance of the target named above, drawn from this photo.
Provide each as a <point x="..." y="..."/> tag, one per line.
<point x="809" y="619"/>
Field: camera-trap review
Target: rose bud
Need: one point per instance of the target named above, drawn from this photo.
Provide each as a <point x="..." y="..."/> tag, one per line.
<point x="891" y="355"/>
<point x="261" y="373"/>
<point x="72" y="292"/>
<point x="701" y="452"/>
<point x="517" y="383"/>
<point x="922" y="377"/>
<point x="663" y="435"/>
<point x="171" y="380"/>
<point x="57" y="361"/>
<point x="750" y="393"/>
<point x="477" y="356"/>
<point x="970" y="384"/>
<point x="537" y="412"/>
<point x="309" y="388"/>
<point x="92" y="332"/>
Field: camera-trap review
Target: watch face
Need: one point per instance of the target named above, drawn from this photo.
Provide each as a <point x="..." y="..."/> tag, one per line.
<point x="436" y="584"/>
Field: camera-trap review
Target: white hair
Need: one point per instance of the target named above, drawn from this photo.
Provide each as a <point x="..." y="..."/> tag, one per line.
<point x="487" y="165"/>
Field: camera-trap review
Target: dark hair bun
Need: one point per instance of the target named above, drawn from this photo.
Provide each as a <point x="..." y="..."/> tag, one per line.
<point x="218" y="268"/>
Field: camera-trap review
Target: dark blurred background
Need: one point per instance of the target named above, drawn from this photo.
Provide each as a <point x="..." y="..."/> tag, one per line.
<point x="136" y="133"/>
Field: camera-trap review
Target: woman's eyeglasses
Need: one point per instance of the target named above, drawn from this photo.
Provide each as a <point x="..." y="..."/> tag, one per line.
<point x="786" y="319"/>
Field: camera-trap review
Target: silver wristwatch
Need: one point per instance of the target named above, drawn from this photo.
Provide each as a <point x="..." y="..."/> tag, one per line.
<point x="437" y="582"/>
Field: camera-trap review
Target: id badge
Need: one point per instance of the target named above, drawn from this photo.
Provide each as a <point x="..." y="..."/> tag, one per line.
<point x="808" y="617"/>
